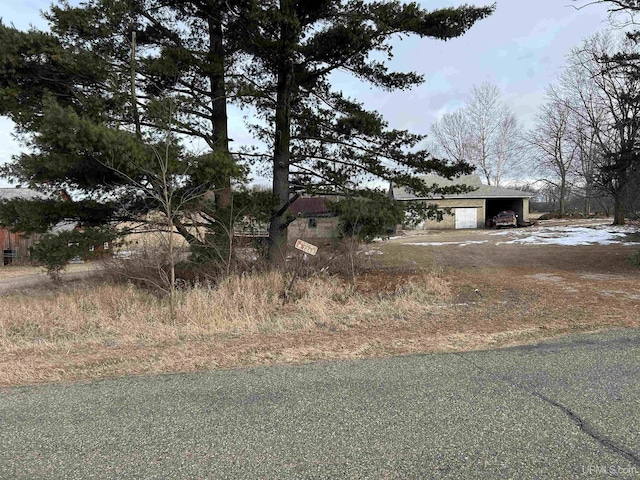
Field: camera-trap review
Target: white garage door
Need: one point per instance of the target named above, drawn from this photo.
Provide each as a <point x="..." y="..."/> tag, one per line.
<point x="466" y="218"/>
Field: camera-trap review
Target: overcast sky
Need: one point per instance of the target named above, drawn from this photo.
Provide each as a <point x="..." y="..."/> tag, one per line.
<point x="521" y="48"/>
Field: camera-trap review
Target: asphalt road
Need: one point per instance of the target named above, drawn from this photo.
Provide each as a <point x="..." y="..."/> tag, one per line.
<point x="562" y="409"/>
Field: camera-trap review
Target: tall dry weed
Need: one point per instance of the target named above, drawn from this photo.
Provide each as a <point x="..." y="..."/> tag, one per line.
<point x="240" y="303"/>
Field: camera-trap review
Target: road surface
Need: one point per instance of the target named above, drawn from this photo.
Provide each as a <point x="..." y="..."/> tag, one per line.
<point x="568" y="408"/>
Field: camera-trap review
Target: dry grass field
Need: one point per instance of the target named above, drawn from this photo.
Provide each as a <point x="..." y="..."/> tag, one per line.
<point x="443" y="291"/>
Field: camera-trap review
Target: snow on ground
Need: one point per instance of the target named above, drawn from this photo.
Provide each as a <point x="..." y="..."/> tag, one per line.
<point x="439" y="244"/>
<point x="567" y="235"/>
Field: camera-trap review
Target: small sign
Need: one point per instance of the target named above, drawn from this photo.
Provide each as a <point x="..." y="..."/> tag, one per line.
<point x="306" y="247"/>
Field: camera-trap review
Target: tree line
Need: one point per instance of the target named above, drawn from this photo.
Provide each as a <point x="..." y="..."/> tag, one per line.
<point x="587" y="132"/>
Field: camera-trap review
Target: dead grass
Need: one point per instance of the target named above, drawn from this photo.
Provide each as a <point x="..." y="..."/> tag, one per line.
<point x="11" y="271"/>
<point x="103" y="330"/>
<point x="487" y="297"/>
<point x="111" y="330"/>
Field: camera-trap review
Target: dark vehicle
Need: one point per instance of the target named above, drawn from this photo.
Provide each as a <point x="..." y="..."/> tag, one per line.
<point x="506" y="218"/>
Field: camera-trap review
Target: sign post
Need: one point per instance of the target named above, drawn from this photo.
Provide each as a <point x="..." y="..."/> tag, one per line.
<point x="305" y="248"/>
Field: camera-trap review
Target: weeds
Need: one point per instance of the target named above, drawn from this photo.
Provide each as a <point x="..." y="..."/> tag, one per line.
<point x="247" y="303"/>
<point x="634" y="259"/>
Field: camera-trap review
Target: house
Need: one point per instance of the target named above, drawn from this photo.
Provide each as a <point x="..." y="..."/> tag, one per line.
<point x="15" y="246"/>
<point x="468" y="210"/>
<point x="316" y="221"/>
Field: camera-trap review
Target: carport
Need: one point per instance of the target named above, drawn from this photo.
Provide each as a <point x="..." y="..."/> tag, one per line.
<point x="497" y="205"/>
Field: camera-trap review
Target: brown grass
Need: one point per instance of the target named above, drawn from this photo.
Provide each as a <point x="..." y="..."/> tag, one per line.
<point x="103" y="330"/>
<point x="111" y="330"/>
<point x="80" y="331"/>
<point x="13" y="271"/>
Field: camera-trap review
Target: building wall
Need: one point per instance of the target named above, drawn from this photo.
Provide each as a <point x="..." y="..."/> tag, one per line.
<point x="525" y="209"/>
<point x="15" y="242"/>
<point x="325" y="229"/>
<point x="448" y="220"/>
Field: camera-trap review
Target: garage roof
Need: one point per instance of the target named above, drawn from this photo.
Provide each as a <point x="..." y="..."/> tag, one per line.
<point x="481" y="190"/>
<point x="25" y="193"/>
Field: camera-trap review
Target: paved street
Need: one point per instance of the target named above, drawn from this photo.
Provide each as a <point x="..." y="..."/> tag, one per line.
<point x="562" y="409"/>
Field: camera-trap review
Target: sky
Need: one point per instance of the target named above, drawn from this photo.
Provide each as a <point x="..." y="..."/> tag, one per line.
<point x="521" y="48"/>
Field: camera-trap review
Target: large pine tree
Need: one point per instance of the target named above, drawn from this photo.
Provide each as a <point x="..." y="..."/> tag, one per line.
<point x="320" y="138"/>
<point x="93" y="97"/>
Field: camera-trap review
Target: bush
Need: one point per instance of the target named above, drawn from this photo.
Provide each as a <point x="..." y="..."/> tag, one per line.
<point x="147" y="267"/>
<point x="56" y="250"/>
<point x="568" y="214"/>
<point x="368" y="218"/>
<point x="634" y="259"/>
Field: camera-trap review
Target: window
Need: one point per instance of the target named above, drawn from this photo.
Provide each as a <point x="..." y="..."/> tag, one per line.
<point x="106" y="245"/>
<point x="313" y="223"/>
<point x="439" y="215"/>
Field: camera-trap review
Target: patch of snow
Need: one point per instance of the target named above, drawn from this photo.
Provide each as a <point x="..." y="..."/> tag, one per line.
<point x="546" y="277"/>
<point x="380" y="239"/>
<point x="439" y="244"/>
<point x="372" y="252"/>
<point x="473" y="242"/>
<point x="561" y="235"/>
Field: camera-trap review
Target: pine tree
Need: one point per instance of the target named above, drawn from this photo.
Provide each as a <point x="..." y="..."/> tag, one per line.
<point x="102" y="80"/>
<point x="321" y="139"/>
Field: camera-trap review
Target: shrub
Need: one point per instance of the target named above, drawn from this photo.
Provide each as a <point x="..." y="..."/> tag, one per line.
<point x="634" y="259"/>
<point x="56" y="250"/>
<point x="368" y="218"/>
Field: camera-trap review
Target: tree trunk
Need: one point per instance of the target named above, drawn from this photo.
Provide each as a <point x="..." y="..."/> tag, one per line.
<point x="282" y="142"/>
<point x="281" y="157"/>
<point x="618" y="208"/>
<point x="134" y="100"/>
<point x="587" y="201"/>
<point x="219" y="128"/>
<point x="563" y="195"/>
<point x="222" y="230"/>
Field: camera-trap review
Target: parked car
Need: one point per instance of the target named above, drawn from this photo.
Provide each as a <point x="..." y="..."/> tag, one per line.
<point x="506" y="218"/>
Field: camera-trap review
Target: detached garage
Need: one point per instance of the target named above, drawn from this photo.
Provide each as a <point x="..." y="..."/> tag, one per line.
<point x="472" y="209"/>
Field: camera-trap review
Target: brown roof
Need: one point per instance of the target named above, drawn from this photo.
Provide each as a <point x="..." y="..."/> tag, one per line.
<point x="311" y="206"/>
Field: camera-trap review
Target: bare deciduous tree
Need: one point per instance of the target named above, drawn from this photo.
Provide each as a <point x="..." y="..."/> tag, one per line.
<point x="584" y="137"/>
<point x="484" y="132"/>
<point x="552" y="146"/>
<point x="603" y="84"/>
<point x="451" y="135"/>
